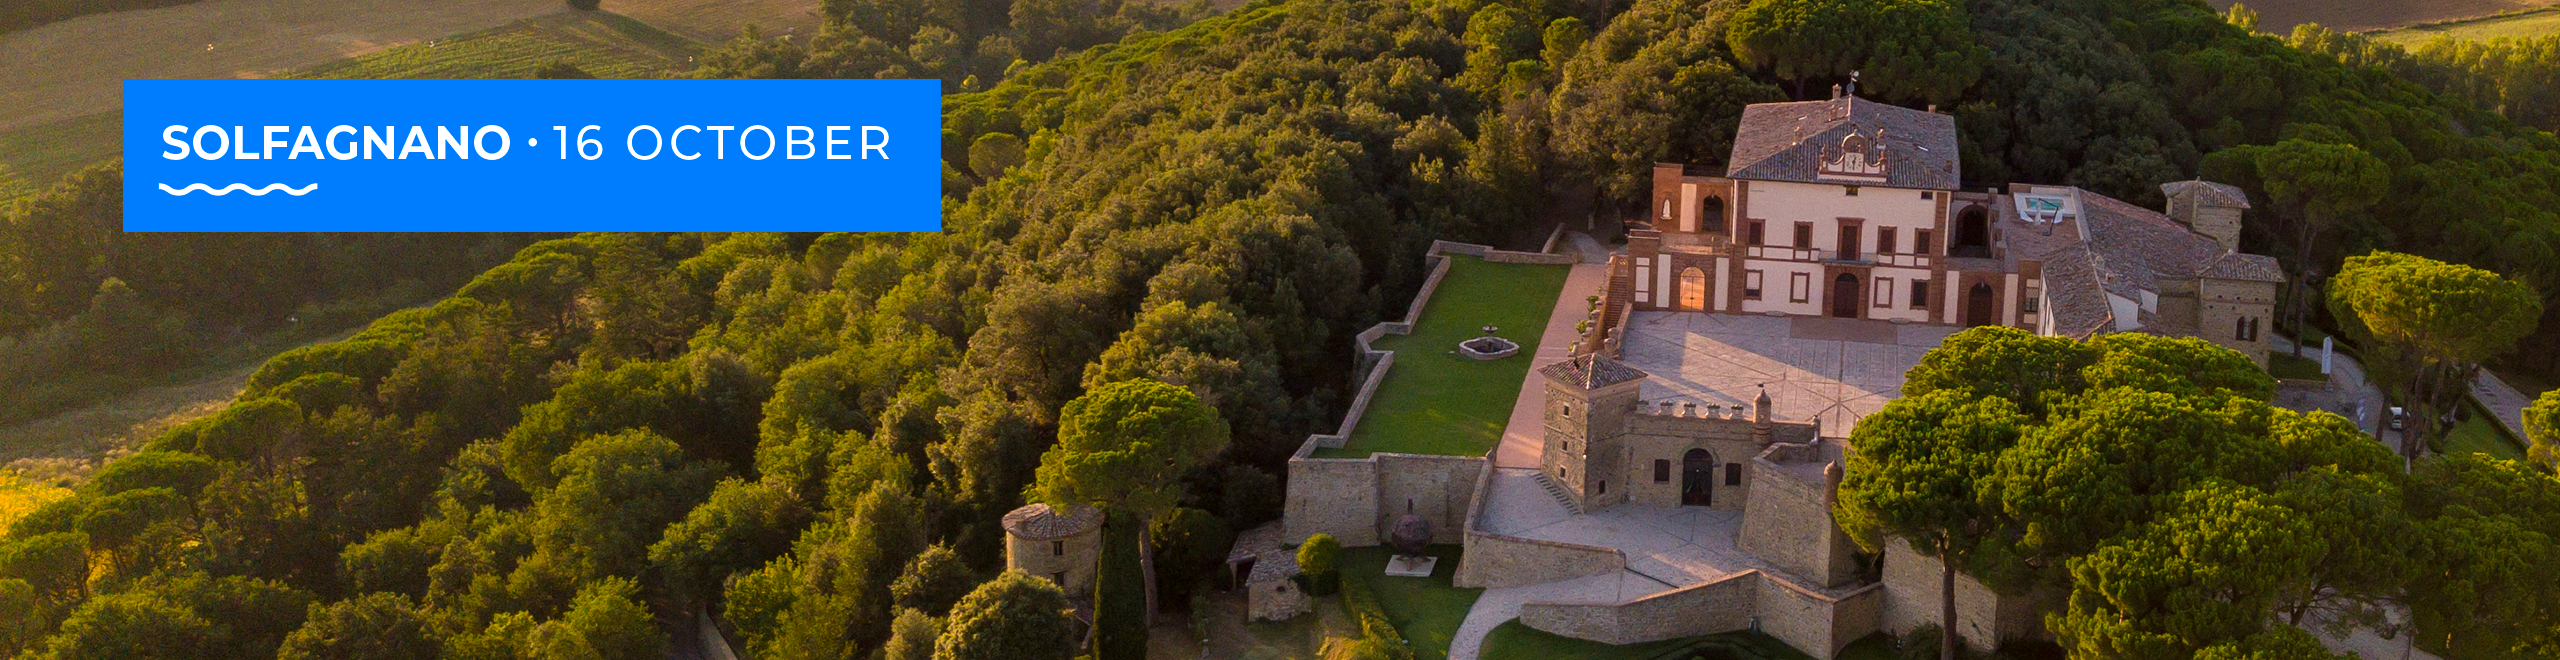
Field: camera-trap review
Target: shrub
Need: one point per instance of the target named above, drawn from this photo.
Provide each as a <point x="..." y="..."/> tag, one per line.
<point x="1316" y="559"/>
<point x="1376" y="630"/>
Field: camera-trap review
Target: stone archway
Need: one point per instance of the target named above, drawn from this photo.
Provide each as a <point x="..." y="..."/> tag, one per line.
<point x="1973" y="233"/>
<point x="1697" y="478"/>
<point x="1693" y="289"/>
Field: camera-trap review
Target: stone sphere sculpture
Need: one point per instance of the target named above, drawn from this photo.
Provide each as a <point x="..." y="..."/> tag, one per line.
<point x="1411" y="536"/>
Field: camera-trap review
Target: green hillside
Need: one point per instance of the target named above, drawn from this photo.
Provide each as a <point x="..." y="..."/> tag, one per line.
<point x="613" y="429"/>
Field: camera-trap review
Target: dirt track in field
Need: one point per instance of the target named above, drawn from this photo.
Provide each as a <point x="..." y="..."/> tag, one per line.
<point x="2279" y="16"/>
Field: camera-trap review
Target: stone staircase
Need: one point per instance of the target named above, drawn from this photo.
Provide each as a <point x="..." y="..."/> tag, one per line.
<point x="1557" y="492"/>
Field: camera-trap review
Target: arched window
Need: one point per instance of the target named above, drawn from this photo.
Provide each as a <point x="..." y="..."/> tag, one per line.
<point x="1711" y="214"/>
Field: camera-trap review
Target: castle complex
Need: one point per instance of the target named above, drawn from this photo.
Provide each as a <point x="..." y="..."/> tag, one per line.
<point x="1666" y="494"/>
<point x="1850" y="208"/>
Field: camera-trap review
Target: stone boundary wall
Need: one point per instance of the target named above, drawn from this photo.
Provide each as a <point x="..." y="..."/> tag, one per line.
<point x="1724" y="605"/>
<point x="1814" y="623"/>
<point x="1357" y="499"/>
<point x="1984" y="617"/>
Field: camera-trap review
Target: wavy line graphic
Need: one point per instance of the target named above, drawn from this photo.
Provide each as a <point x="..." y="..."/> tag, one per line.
<point x="239" y="187"/>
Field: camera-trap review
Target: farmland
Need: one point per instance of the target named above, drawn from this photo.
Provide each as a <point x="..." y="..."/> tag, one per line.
<point x="2531" y="23"/>
<point x="2279" y="16"/>
<point x="600" y="43"/>
<point x="35" y="156"/>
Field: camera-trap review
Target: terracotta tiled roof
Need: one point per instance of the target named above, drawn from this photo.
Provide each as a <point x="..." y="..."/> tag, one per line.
<point x="1789" y="141"/>
<point x="2128" y="250"/>
<point x="2212" y="193"/>
<point x="1039" y="522"/>
<point x="1592" y="371"/>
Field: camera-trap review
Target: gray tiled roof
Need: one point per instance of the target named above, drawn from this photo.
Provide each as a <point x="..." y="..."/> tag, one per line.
<point x="2129" y="250"/>
<point x="2212" y="193"/>
<point x="1592" y="371"/>
<point x="1787" y="141"/>
<point x="2076" y="296"/>
<point x="1039" y="522"/>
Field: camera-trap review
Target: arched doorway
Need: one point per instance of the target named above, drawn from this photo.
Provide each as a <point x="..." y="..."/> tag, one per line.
<point x="1844" y="296"/>
<point x="1973" y="233"/>
<point x="1977" y="306"/>
<point x="1711" y="214"/>
<point x="1697" y="478"/>
<point x="1693" y="289"/>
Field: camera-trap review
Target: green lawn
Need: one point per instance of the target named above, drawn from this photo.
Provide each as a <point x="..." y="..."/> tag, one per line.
<point x="2480" y="434"/>
<point x="1426" y="610"/>
<point x="2529" y="23"/>
<point x="1513" y="640"/>
<point x="1435" y="401"/>
<point x="36" y="157"/>
<point x="604" y="44"/>
<point x="2284" y="365"/>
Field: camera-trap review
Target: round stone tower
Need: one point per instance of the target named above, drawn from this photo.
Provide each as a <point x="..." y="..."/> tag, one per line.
<point x="1062" y="546"/>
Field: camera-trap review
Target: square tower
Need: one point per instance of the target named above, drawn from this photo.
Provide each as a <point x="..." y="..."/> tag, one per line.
<point x="1588" y="400"/>
<point x="2208" y="208"/>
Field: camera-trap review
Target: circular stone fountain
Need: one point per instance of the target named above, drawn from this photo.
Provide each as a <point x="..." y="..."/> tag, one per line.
<point x="1488" y="347"/>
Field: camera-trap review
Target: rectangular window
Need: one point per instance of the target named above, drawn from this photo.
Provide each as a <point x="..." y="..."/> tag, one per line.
<point x="1886" y="242"/>
<point x="2239" y="329"/>
<point x="1733" y="474"/>
<point x="1928" y="194"/>
<point x="1604" y="486"/>
<point x="1804" y="235"/>
<point x="1853" y="190"/>
<point x="1799" y="287"/>
<point x="2032" y="300"/>
<point x="1662" y="470"/>
<point x="1058" y="548"/>
<point x="1848" y="236"/>
<point x="1751" y="285"/>
<point x="1920" y="241"/>
<point x="1758" y="233"/>
<point x="1919" y="294"/>
<point x="1884" y="292"/>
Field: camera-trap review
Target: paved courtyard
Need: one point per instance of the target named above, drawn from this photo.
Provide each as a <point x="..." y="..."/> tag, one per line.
<point x="1838" y="370"/>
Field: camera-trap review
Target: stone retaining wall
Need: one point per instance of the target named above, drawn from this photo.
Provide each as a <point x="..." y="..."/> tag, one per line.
<point x="1501" y="560"/>
<point x="1814" y="623"/>
<point x="1724" y="605"/>
<point x="1817" y="624"/>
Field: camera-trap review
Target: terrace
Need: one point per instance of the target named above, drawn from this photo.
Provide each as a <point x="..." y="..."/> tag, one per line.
<point x="1437" y="401"/>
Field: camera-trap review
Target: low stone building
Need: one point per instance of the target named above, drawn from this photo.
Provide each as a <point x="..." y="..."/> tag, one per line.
<point x="1267" y="570"/>
<point x="1062" y="546"/>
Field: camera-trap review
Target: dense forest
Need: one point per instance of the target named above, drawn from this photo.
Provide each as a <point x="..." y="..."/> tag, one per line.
<point x="87" y="311"/>
<point x="812" y="435"/>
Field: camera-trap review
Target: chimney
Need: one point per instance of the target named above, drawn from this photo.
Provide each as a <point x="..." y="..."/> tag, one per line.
<point x="1933" y="108"/>
<point x="1835" y="92"/>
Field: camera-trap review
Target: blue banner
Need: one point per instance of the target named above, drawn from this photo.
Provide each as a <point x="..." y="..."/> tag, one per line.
<point x="532" y="155"/>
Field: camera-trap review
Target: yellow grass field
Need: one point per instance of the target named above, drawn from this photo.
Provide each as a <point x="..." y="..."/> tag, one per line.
<point x="2279" y="16"/>
<point x="2535" y="23"/>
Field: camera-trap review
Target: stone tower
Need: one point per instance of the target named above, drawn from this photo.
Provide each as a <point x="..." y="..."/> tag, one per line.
<point x="2208" y="208"/>
<point x="1060" y="546"/>
<point x="1588" y="400"/>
